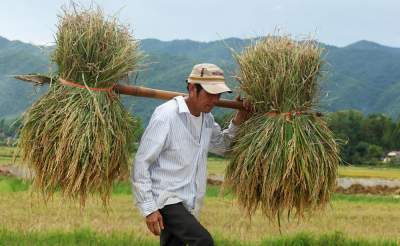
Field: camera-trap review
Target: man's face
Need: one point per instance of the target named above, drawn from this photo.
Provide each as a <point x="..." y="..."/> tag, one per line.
<point x="203" y="100"/>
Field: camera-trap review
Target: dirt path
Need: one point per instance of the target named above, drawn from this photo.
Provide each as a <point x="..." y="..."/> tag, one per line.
<point x="367" y="182"/>
<point x="16" y="171"/>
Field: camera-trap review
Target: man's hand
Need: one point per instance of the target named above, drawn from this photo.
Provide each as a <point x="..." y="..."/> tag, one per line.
<point x="243" y="114"/>
<point x="155" y="222"/>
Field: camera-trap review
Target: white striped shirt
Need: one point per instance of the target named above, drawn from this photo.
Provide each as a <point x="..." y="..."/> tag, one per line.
<point x="171" y="162"/>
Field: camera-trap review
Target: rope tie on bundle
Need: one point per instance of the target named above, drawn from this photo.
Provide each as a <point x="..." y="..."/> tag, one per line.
<point x="108" y="90"/>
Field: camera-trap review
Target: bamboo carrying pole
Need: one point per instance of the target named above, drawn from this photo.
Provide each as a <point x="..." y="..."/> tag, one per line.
<point x="135" y="91"/>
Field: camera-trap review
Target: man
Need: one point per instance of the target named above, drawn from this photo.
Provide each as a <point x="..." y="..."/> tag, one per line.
<point x="170" y="172"/>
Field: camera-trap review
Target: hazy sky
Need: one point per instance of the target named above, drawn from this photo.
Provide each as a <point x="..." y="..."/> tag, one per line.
<point x="337" y="22"/>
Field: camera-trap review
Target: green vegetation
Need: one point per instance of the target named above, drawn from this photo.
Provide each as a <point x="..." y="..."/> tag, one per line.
<point x="364" y="75"/>
<point x="78" y="237"/>
<point x="89" y="237"/>
<point x="11" y="184"/>
<point x="123" y="188"/>
<point x="8" y="131"/>
<point x="337" y="238"/>
<point x="365" y="199"/>
<point x="217" y="165"/>
<point x="19" y="58"/>
<point x="362" y="219"/>
<point x="363" y="139"/>
<point x="8" y="155"/>
<point x="367" y="138"/>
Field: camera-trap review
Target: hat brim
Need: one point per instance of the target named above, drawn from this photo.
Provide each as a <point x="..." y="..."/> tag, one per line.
<point x="212" y="87"/>
<point x="216" y="88"/>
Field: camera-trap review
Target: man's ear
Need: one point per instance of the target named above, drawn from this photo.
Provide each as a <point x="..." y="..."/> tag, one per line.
<point x="192" y="90"/>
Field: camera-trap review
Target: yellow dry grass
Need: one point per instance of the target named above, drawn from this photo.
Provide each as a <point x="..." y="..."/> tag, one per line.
<point x="21" y="212"/>
<point x="369" y="172"/>
<point x="216" y="166"/>
<point x="7" y="155"/>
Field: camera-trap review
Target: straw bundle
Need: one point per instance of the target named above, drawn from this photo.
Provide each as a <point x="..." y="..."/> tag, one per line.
<point x="77" y="137"/>
<point x="284" y="158"/>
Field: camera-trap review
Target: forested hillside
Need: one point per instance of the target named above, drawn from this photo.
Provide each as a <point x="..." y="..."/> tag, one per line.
<point x="363" y="75"/>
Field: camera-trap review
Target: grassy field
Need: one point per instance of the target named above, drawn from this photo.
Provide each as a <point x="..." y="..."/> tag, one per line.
<point x="370" y="172"/>
<point x="350" y="220"/>
<point x="7" y="155"/>
<point x="89" y="237"/>
<point x="216" y="166"/>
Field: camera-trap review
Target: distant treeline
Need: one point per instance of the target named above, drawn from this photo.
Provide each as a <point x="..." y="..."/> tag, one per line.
<point x="367" y="138"/>
<point x="8" y="131"/>
<point x="364" y="139"/>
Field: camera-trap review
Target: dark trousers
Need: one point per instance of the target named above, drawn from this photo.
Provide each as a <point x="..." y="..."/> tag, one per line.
<point x="182" y="228"/>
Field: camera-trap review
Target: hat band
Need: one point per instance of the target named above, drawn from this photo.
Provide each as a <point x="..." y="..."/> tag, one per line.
<point x="207" y="78"/>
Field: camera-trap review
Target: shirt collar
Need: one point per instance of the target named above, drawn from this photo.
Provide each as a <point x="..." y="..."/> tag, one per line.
<point x="182" y="106"/>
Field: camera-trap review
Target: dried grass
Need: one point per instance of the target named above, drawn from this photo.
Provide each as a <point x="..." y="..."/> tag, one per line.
<point x="75" y="139"/>
<point x="284" y="157"/>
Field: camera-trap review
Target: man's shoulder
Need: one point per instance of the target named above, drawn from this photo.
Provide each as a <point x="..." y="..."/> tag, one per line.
<point x="210" y="120"/>
<point x="209" y="116"/>
<point x="167" y="109"/>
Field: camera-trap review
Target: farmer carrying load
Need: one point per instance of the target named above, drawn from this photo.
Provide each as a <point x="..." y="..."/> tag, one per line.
<point x="170" y="172"/>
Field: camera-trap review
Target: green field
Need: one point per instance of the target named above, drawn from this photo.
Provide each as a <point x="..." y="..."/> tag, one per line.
<point x="216" y="166"/>
<point x="350" y="220"/>
<point x="7" y="155"/>
<point x="89" y="237"/>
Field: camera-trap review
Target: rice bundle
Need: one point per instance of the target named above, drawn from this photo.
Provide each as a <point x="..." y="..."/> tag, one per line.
<point x="77" y="137"/>
<point x="284" y="157"/>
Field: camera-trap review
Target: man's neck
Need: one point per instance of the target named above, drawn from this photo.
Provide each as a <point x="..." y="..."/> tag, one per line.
<point x="192" y="107"/>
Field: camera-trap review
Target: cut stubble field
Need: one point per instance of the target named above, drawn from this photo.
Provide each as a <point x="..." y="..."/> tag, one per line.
<point x="370" y="218"/>
<point x="359" y="219"/>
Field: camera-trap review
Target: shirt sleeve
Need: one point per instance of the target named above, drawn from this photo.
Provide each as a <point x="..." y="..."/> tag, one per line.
<point x="151" y="145"/>
<point x="221" y="140"/>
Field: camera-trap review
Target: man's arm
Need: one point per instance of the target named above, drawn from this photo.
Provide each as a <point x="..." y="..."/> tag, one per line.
<point x="221" y="140"/>
<point x="150" y="147"/>
<point x="151" y="144"/>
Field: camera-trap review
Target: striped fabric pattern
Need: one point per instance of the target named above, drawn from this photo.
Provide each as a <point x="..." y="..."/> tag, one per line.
<point x="171" y="163"/>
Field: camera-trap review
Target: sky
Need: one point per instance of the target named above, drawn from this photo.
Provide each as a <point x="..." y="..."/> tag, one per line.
<point x="335" y="22"/>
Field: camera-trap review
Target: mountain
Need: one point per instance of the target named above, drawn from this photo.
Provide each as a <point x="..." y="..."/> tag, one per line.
<point x="18" y="58"/>
<point x="363" y="75"/>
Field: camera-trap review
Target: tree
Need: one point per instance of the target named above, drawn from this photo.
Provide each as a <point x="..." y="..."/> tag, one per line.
<point x="375" y="153"/>
<point x="346" y="125"/>
<point x="395" y="137"/>
<point x="377" y="129"/>
<point x="365" y="138"/>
